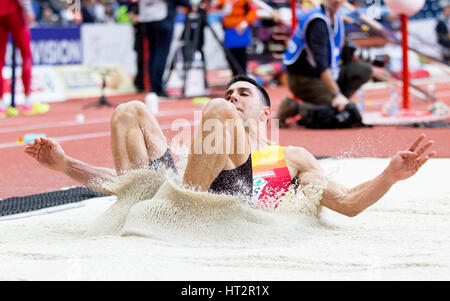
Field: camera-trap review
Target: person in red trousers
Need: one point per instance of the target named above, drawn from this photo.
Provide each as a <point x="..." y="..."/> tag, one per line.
<point x="15" y="16"/>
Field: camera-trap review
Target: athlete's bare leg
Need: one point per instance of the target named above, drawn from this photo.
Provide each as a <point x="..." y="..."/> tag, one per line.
<point x="136" y="137"/>
<point x="204" y="166"/>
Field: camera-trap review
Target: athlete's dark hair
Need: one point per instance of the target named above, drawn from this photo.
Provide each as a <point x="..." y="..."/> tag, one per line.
<point x="246" y="78"/>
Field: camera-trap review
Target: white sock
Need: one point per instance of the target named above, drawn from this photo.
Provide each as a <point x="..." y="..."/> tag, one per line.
<point x="2" y="104"/>
<point x="28" y="101"/>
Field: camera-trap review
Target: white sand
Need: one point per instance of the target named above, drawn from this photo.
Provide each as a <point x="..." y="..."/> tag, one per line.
<point x="405" y="236"/>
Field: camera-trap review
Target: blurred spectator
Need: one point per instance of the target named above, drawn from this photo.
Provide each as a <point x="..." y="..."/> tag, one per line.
<point x="48" y="18"/>
<point x="67" y="13"/>
<point x="133" y="13"/>
<point x="104" y="11"/>
<point x="88" y="11"/>
<point x="36" y="9"/>
<point x="51" y="12"/>
<point x="110" y="13"/>
<point x="237" y="20"/>
<point x="99" y="11"/>
<point x="123" y="13"/>
<point x="442" y="29"/>
<point x="55" y="5"/>
<point x="156" y="19"/>
<point x="389" y="19"/>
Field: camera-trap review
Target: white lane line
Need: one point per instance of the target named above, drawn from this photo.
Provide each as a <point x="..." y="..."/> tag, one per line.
<point x="53" y="124"/>
<point x="63" y="138"/>
<point x="75" y="123"/>
<point x="82" y="136"/>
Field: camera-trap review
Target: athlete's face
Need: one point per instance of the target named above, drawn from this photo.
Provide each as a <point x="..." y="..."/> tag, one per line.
<point x="333" y="5"/>
<point x="248" y="101"/>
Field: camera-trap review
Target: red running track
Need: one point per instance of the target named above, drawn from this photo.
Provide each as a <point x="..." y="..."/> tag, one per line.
<point x="90" y="141"/>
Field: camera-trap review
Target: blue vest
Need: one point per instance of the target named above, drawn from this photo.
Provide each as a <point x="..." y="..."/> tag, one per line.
<point x="297" y="43"/>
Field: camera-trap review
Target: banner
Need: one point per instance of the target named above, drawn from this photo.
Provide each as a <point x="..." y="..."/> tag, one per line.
<point x="45" y="85"/>
<point x="107" y="44"/>
<point x="51" y="46"/>
<point x="70" y="61"/>
<point x="84" y="81"/>
<point x="59" y="83"/>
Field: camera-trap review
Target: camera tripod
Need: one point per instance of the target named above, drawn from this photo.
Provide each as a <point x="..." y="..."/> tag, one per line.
<point x="102" y="101"/>
<point x="191" y="41"/>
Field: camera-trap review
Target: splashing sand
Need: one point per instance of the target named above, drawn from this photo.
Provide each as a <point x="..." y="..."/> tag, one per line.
<point x="402" y="237"/>
<point x="153" y="204"/>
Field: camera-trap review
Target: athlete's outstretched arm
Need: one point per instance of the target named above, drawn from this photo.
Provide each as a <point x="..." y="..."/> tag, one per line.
<point x="353" y="201"/>
<point x="50" y="154"/>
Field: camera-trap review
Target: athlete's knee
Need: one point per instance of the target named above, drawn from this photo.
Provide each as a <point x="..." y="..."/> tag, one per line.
<point x="128" y="112"/>
<point x="220" y="109"/>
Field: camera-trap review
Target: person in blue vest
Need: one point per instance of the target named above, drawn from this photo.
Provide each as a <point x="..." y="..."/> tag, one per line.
<point x="313" y="59"/>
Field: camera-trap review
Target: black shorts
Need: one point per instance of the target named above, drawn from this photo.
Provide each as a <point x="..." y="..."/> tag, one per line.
<point x="165" y="161"/>
<point x="234" y="181"/>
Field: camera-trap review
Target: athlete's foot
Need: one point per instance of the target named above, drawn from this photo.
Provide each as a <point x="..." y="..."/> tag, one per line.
<point x="36" y="108"/>
<point x="288" y="108"/>
<point x="9" y="111"/>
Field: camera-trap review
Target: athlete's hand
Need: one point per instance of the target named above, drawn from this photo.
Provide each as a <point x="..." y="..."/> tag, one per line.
<point x="406" y="163"/>
<point x="47" y="152"/>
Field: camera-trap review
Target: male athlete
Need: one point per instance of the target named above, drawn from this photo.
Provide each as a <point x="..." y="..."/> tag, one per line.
<point x="258" y="168"/>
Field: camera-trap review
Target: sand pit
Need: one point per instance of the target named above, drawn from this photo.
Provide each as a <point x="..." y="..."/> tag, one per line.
<point x="404" y="236"/>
